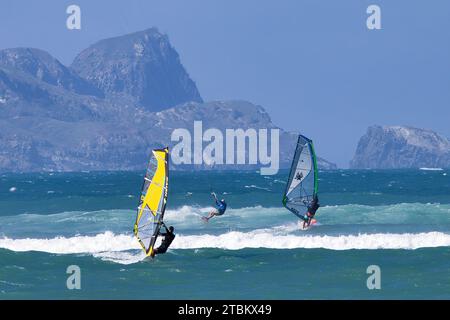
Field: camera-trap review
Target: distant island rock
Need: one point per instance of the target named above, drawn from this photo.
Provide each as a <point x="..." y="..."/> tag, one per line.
<point x="395" y="147"/>
<point x="120" y="98"/>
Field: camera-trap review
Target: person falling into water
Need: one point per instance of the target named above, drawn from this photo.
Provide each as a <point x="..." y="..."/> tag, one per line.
<point x="219" y="210"/>
<point x="312" y="208"/>
<point x="168" y="237"/>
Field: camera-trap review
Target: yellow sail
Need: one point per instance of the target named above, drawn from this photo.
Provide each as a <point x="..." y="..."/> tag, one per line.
<point x="153" y="200"/>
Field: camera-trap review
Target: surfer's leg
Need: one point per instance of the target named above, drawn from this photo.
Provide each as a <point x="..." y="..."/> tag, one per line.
<point x="305" y="221"/>
<point x="307" y="218"/>
<point x="161" y="249"/>
<point x="211" y="214"/>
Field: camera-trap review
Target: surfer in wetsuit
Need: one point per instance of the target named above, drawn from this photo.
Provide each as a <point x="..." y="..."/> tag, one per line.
<point x="312" y="208"/>
<point x="219" y="210"/>
<point x="168" y="237"/>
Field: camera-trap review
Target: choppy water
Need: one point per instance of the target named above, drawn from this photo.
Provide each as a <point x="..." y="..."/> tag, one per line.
<point x="398" y="220"/>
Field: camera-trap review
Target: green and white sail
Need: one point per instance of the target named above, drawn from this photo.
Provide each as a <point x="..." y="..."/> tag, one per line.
<point x="302" y="185"/>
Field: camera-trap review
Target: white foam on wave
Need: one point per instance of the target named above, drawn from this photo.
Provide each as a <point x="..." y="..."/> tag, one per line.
<point x="104" y="242"/>
<point x="256" y="187"/>
<point x="118" y="248"/>
<point x="122" y="257"/>
<point x="431" y="169"/>
<point x="185" y="213"/>
<point x="190" y="215"/>
<point x="239" y="240"/>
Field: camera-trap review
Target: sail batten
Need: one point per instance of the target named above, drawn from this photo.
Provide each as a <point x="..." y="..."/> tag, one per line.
<point x="302" y="184"/>
<point x="151" y="208"/>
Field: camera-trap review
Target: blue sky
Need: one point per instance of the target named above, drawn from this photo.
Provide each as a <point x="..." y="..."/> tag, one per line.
<point x="312" y="64"/>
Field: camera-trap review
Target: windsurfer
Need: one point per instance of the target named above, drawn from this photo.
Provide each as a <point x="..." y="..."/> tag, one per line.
<point x="312" y="208"/>
<point x="168" y="237"/>
<point x="219" y="210"/>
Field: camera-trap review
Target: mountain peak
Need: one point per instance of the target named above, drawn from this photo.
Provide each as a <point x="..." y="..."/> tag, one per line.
<point x="132" y="43"/>
<point x="42" y="66"/>
<point x="141" y="67"/>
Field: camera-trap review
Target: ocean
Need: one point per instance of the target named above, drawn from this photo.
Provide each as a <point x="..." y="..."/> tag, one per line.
<point x="396" y="220"/>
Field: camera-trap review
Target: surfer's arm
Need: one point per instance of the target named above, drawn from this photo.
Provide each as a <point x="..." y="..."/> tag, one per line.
<point x="215" y="197"/>
<point x="162" y="234"/>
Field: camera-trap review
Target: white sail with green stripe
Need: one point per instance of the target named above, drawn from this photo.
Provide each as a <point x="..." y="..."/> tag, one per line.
<point x="302" y="185"/>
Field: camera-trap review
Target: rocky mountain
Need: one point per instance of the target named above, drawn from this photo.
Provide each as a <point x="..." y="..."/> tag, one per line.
<point x="384" y="147"/>
<point x="323" y="164"/>
<point x="223" y="115"/>
<point x="53" y="118"/>
<point x="34" y="144"/>
<point x="42" y="66"/>
<point x="142" y="68"/>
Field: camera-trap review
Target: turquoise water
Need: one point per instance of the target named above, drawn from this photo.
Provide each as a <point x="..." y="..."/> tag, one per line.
<point x="398" y="220"/>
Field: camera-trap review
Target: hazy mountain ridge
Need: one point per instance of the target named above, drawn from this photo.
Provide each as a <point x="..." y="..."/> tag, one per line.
<point x="53" y="119"/>
<point x="235" y="114"/>
<point x="54" y="145"/>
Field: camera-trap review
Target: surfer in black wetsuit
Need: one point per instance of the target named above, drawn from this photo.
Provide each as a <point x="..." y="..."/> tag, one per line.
<point x="168" y="237"/>
<point x="312" y="208"/>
